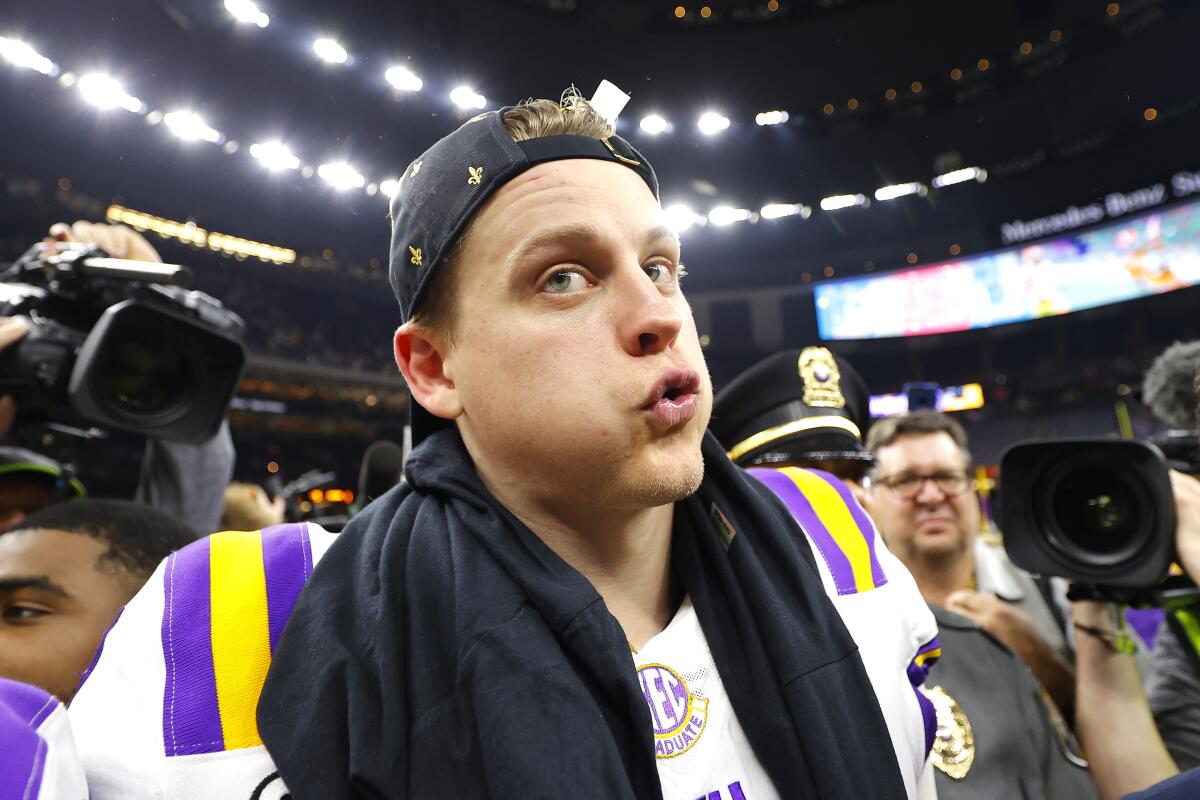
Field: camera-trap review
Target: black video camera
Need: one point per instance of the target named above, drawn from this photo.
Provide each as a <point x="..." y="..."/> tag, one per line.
<point x="1096" y="511"/>
<point x="118" y="344"/>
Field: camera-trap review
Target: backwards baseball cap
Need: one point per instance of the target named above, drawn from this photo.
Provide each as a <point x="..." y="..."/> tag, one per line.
<point x="443" y="188"/>
<point x="797" y="405"/>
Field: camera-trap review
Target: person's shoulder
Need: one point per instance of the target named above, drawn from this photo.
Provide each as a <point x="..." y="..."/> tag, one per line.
<point x="838" y="528"/>
<point x="38" y="758"/>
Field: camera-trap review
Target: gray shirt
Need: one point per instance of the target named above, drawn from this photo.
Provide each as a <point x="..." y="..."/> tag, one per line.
<point x="1022" y="748"/>
<point x="188" y="481"/>
<point x="1173" y="686"/>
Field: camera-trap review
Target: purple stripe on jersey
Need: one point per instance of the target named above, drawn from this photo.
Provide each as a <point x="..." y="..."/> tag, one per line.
<point x="23" y="755"/>
<point x="802" y="510"/>
<point x="865" y="526"/>
<point x="99" y="649"/>
<point x="191" y="717"/>
<point x="287" y="563"/>
<point x="918" y="668"/>
<point x="929" y="716"/>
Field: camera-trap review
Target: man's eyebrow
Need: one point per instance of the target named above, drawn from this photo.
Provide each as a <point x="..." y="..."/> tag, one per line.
<point x="580" y="233"/>
<point x="571" y="232"/>
<point x="41" y="582"/>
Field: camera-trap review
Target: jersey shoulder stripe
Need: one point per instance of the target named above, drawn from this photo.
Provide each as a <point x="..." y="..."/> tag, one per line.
<point x="837" y="525"/>
<point x="227" y="598"/>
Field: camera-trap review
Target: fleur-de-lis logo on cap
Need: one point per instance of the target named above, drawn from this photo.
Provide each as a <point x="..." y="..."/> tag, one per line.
<point x="476" y="174"/>
<point x="417" y="166"/>
<point x="416" y="255"/>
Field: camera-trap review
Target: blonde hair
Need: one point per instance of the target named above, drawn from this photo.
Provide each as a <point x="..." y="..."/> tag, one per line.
<point x="573" y="115"/>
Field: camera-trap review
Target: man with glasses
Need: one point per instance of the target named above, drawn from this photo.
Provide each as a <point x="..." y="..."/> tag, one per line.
<point x="920" y="497"/>
<point x="999" y="735"/>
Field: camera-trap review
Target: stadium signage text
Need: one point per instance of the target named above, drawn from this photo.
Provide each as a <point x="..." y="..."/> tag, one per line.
<point x="1114" y="205"/>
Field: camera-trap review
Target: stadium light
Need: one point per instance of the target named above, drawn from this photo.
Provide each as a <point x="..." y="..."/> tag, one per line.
<point x="960" y="176"/>
<point x="771" y="118"/>
<point x="778" y="210"/>
<point x="274" y="156"/>
<point x="681" y="217"/>
<point x="104" y="92"/>
<point x="466" y="97"/>
<point x="341" y="176"/>
<point x="246" y="11"/>
<point x="834" y="202"/>
<point x="895" y="190"/>
<point x="190" y="127"/>
<point x="22" y="54"/>
<point x="389" y="187"/>
<point x="711" y="123"/>
<point x="727" y="215"/>
<point x="330" y="51"/>
<point x="403" y="79"/>
<point x="654" y="124"/>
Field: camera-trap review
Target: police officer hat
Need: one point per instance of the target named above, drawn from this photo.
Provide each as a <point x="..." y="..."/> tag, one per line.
<point x="797" y="405"/>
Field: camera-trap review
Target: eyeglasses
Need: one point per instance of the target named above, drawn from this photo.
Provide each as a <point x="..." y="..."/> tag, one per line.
<point x="907" y="486"/>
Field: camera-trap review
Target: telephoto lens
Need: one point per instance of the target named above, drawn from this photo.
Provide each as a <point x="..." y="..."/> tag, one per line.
<point x="1096" y="511"/>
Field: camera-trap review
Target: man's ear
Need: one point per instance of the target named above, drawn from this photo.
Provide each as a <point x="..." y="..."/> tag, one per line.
<point x="419" y="356"/>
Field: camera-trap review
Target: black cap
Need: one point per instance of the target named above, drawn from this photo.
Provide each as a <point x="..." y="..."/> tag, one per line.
<point x="441" y="190"/>
<point x="797" y="405"/>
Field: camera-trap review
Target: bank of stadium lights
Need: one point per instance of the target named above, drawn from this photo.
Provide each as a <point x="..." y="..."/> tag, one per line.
<point x="341" y="176"/>
<point x="388" y="188"/>
<point x="770" y="118"/>
<point x="711" y="123"/>
<point x="727" y="215"/>
<point x="654" y="124"/>
<point x="105" y="92"/>
<point x="838" y="201"/>
<point x="884" y="193"/>
<point x="960" y="176"/>
<point x="680" y="217"/>
<point x="467" y="98"/>
<point x="780" y="210"/>
<point x="21" y="54"/>
<point x="275" y="156"/>
<point x="190" y="127"/>
<point x="329" y="51"/>
<point x="403" y="79"/>
<point x="246" y="11"/>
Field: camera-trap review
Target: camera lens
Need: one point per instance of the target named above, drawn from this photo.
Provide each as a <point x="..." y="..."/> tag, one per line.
<point x="141" y="378"/>
<point x="1098" y="514"/>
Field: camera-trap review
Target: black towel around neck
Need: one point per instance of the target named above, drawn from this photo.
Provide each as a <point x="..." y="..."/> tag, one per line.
<point x="441" y="649"/>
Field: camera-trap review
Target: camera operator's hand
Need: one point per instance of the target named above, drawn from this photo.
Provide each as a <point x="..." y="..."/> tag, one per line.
<point x="116" y="240"/>
<point x="1187" y="522"/>
<point x="12" y="330"/>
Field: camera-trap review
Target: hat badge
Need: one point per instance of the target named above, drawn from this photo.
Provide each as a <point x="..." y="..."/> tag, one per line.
<point x="821" y="378"/>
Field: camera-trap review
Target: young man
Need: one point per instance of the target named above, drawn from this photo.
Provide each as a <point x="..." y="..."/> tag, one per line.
<point x="573" y="594"/>
<point x="65" y="573"/>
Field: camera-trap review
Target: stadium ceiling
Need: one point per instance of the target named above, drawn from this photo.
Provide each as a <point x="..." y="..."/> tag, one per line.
<point x="877" y="93"/>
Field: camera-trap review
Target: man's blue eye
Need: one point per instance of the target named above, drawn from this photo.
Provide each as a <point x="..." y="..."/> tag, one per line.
<point x="564" y="281"/>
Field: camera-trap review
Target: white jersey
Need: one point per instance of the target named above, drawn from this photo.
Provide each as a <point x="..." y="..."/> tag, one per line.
<point x="168" y="710"/>
<point x="880" y="604"/>
<point x="699" y="745"/>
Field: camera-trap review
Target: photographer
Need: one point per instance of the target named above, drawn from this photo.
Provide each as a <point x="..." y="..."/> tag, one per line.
<point x="1114" y="719"/>
<point x="186" y="481"/>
